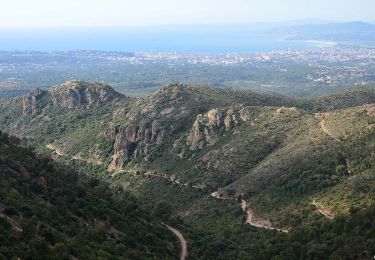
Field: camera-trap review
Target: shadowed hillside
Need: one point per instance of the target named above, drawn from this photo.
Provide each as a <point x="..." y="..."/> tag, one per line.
<point x="47" y="211"/>
<point x="197" y="152"/>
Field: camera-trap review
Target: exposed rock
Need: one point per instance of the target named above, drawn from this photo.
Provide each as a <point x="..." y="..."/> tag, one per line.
<point x="120" y="113"/>
<point x="134" y="140"/>
<point x="206" y="127"/>
<point x="73" y="94"/>
<point x="110" y="133"/>
<point x="158" y="132"/>
<point x="286" y="109"/>
<point x="231" y="119"/>
<point x="29" y="102"/>
<point x="167" y="111"/>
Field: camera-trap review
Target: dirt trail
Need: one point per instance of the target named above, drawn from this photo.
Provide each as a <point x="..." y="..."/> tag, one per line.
<point x="251" y="220"/>
<point x="217" y="195"/>
<point x="323" y="210"/>
<point x="15" y="225"/>
<point x="182" y="241"/>
<point x="55" y="149"/>
<point x="322" y="124"/>
<point x="173" y="178"/>
<point x="75" y="157"/>
<point x="92" y="161"/>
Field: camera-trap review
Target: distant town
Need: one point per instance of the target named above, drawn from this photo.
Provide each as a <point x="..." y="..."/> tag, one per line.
<point x="318" y="70"/>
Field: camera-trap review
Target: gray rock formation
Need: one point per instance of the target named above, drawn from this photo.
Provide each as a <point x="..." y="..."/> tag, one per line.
<point x="206" y="127"/>
<point x="29" y="103"/>
<point x="110" y="133"/>
<point x="134" y="140"/>
<point x="73" y="94"/>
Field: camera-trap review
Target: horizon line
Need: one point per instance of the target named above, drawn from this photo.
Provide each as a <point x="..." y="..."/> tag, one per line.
<point x="301" y="21"/>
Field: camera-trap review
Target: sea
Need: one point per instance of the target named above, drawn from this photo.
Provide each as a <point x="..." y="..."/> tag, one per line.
<point x="149" y="39"/>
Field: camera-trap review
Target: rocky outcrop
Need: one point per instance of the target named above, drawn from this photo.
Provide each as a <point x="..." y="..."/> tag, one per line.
<point x="110" y="133"/>
<point x="29" y="103"/>
<point x="207" y="126"/>
<point x="134" y="141"/>
<point x="73" y="94"/>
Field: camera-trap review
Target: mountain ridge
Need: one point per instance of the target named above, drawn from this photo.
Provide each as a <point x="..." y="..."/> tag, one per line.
<point x="195" y="150"/>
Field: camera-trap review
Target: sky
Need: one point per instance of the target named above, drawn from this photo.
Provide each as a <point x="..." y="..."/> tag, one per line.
<point x="66" y="13"/>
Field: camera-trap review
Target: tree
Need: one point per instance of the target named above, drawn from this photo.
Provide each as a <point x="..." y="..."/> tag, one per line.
<point x="341" y="169"/>
<point x="163" y="210"/>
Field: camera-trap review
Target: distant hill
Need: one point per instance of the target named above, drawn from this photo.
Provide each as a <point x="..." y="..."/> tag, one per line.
<point x="351" y="31"/>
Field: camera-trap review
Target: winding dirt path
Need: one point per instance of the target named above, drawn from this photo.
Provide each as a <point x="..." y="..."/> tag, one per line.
<point x="251" y="220"/>
<point x="183" y="242"/>
<point x="75" y="157"/>
<point x="323" y="210"/>
<point x="322" y="124"/>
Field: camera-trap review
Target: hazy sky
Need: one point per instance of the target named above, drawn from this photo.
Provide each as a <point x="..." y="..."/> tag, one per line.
<point x="22" y="13"/>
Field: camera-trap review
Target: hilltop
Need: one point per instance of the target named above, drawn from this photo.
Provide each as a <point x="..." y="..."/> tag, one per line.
<point x="200" y="151"/>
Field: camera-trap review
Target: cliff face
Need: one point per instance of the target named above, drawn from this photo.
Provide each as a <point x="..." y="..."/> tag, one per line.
<point x="207" y="126"/>
<point x="29" y="103"/>
<point x="161" y="114"/>
<point x="134" y="141"/>
<point x="73" y="94"/>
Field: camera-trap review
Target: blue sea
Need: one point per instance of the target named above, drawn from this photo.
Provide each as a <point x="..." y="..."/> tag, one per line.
<point x="179" y="38"/>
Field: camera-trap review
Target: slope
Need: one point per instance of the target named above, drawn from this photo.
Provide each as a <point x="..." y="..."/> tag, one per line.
<point x="46" y="211"/>
<point x="269" y="150"/>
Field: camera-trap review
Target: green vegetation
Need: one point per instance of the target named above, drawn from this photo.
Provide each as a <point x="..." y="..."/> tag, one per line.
<point x="218" y="232"/>
<point x="292" y="160"/>
<point x="46" y="211"/>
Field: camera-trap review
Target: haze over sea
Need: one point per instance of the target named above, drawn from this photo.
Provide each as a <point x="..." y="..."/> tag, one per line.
<point x="210" y="39"/>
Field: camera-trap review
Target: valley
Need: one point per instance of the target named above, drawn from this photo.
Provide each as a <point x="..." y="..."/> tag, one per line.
<point x="190" y="130"/>
<point x="229" y="172"/>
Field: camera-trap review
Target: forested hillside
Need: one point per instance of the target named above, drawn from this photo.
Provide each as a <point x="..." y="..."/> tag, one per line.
<point x="241" y="174"/>
<point x="48" y="212"/>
